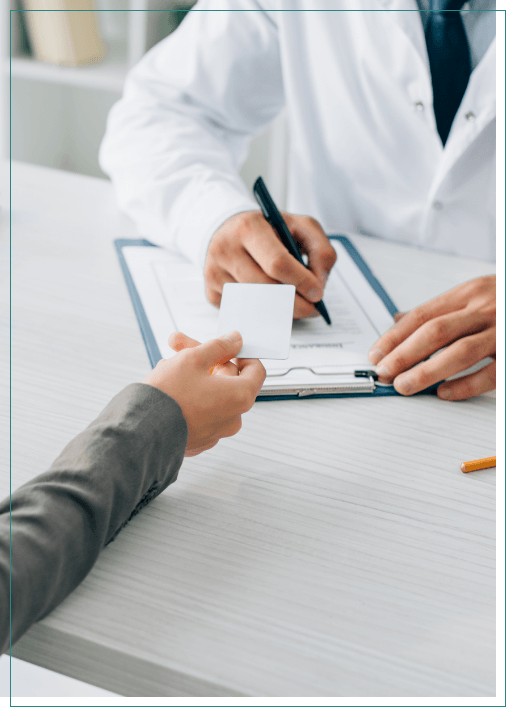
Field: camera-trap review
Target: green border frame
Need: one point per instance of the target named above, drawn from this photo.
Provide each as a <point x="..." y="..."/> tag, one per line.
<point x="500" y="698"/>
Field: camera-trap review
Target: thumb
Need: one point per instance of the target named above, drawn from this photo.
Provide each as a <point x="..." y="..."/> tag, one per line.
<point x="219" y="350"/>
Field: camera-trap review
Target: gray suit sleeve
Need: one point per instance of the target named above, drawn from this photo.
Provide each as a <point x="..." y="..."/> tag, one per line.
<point x="62" y="519"/>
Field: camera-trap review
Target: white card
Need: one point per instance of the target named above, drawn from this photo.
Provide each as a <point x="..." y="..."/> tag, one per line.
<point x="262" y="314"/>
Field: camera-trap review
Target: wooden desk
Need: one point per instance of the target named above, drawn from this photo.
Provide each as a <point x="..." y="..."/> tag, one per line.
<point x="282" y="562"/>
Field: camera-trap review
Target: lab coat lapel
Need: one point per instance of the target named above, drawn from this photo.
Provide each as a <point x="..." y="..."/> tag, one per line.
<point x="479" y="103"/>
<point x="480" y="96"/>
<point x="406" y="15"/>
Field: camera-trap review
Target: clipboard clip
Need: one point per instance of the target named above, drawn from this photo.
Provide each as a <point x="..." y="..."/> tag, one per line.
<point x="358" y="374"/>
<point x="367" y="374"/>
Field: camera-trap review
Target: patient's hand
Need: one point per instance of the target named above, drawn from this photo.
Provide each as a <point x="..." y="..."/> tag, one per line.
<point x="180" y="341"/>
<point x="212" y="391"/>
<point x="463" y="321"/>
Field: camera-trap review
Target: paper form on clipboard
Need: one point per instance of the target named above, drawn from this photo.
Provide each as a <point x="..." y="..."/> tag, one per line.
<point x="168" y="295"/>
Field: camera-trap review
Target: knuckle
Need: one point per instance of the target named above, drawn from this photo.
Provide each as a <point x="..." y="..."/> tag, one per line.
<point x="186" y="359"/>
<point x="219" y="251"/>
<point x="308" y="222"/>
<point x="280" y="268"/>
<point x="246" y="228"/>
<point x="418" y="317"/>
<point x="191" y="354"/>
<point x="217" y="247"/>
<point x="468" y="350"/>
<point x="480" y="285"/>
<point x="398" y="363"/>
<point x="488" y="313"/>
<point x="308" y="283"/>
<point x="437" y="331"/>
<point x="423" y="378"/>
<point x="329" y="257"/>
<point x="228" y="238"/>
<point x="473" y="286"/>
<point x="243" y="221"/>
<point x="472" y="386"/>
<point x="465" y="389"/>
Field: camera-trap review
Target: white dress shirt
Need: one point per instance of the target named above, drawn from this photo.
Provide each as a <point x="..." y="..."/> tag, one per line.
<point x="364" y="155"/>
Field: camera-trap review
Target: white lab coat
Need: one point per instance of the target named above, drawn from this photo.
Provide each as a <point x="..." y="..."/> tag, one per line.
<point x="364" y="155"/>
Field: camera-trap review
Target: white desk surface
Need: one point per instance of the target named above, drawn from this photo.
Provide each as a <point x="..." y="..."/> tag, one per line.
<point x="282" y="562"/>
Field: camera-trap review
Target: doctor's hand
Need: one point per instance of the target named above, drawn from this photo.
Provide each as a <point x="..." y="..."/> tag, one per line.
<point x="246" y="249"/>
<point x="463" y="321"/>
<point x="212" y="391"/>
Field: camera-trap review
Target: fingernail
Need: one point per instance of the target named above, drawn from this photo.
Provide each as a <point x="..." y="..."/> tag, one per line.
<point x="383" y="372"/>
<point x="234" y="336"/>
<point x="314" y="314"/>
<point x="444" y="393"/>
<point x="403" y="385"/>
<point x="323" y="277"/>
<point x="314" y="295"/>
<point x="375" y="355"/>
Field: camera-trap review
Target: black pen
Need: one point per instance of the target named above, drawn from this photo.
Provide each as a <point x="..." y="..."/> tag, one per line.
<point x="278" y="223"/>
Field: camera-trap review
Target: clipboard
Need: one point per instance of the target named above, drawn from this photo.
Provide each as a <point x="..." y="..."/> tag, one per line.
<point x="351" y="383"/>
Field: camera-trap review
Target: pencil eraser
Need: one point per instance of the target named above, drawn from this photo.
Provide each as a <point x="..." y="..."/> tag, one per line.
<point x="262" y="314"/>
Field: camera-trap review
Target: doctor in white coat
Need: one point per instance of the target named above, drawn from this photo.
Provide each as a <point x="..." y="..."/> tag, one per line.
<point x="368" y="153"/>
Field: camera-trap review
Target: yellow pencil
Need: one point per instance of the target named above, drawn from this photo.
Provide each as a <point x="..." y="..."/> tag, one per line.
<point x="478" y="464"/>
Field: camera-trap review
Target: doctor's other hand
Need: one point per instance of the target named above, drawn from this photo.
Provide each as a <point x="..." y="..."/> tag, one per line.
<point x="461" y="321"/>
<point x="212" y="391"/>
<point x="246" y="249"/>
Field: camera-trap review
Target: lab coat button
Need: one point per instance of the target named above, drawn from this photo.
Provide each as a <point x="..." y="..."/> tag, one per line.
<point x="437" y="205"/>
<point x="419" y="105"/>
<point x="470" y="117"/>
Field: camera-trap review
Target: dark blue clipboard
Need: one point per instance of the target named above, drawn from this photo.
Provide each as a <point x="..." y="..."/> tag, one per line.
<point x="154" y="352"/>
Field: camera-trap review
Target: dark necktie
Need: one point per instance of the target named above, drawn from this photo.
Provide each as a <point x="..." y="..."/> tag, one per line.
<point x="450" y="63"/>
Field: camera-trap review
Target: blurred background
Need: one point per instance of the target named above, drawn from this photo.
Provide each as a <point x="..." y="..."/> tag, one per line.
<point x="59" y="112"/>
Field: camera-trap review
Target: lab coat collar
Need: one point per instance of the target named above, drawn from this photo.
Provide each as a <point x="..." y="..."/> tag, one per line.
<point x="406" y="14"/>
